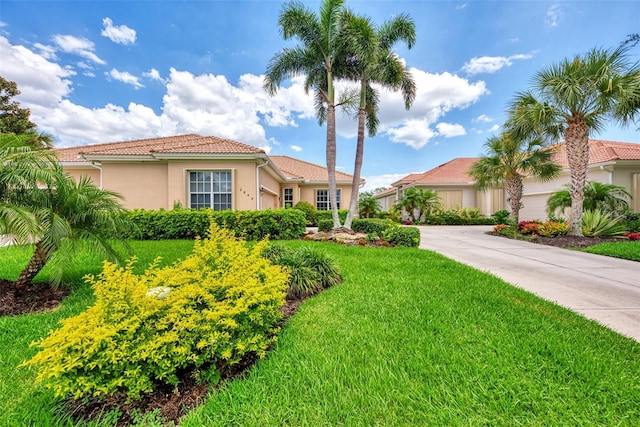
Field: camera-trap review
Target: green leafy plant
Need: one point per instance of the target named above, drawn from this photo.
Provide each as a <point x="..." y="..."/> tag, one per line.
<point x="372" y="225"/>
<point x="597" y="223"/>
<point x="501" y="216"/>
<point x="218" y="304"/>
<point x="310" y="270"/>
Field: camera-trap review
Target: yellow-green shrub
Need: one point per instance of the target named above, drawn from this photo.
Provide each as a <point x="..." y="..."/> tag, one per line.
<point x="553" y="229"/>
<point x="210" y="309"/>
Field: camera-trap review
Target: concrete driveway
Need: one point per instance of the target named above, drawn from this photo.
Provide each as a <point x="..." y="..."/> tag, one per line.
<point x="600" y="288"/>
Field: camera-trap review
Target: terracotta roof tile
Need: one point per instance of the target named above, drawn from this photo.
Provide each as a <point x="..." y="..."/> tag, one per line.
<point x="295" y="168"/>
<point x="601" y="152"/>
<point x="181" y="144"/>
<point x="452" y="172"/>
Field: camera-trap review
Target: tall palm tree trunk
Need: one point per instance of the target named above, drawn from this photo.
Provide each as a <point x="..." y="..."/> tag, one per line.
<point x="331" y="163"/>
<point x="355" y="185"/>
<point x="577" y="140"/>
<point x="514" y="187"/>
<point x="36" y="263"/>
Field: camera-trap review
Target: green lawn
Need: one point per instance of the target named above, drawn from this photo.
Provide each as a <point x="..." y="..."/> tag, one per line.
<point x="629" y="249"/>
<point x="409" y="338"/>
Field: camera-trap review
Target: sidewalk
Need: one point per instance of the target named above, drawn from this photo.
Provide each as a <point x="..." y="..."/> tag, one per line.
<point x="601" y="288"/>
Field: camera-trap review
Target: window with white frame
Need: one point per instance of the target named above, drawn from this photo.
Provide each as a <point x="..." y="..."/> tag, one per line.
<point x="287" y="196"/>
<point x="322" y="200"/>
<point x="210" y="189"/>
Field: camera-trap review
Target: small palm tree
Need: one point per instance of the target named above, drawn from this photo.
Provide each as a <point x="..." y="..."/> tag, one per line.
<point x="608" y="198"/>
<point x="314" y="58"/>
<point x="22" y="169"/>
<point x="372" y="64"/>
<point x="71" y="213"/>
<point x="368" y="205"/>
<point x="507" y="161"/>
<point x="574" y="99"/>
<point x="418" y="201"/>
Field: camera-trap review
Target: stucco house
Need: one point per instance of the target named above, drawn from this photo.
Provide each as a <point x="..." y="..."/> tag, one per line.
<point x="201" y="171"/>
<point x="452" y="183"/>
<point x="609" y="162"/>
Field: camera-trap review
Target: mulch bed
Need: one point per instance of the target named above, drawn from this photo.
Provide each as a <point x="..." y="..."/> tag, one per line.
<point x="29" y="299"/>
<point x="567" y="242"/>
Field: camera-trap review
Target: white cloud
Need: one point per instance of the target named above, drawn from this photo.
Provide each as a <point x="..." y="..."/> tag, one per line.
<point x="296" y="148"/>
<point x="381" y="181"/>
<point x="436" y="95"/>
<point x="120" y="34"/>
<point x="449" y="130"/>
<point x="125" y="77"/>
<point x="77" y="46"/>
<point x="154" y="75"/>
<point x="494" y="128"/>
<point x="461" y="6"/>
<point x="42" y="83"/>
<point x="483" y="118"/>
<point x="491" y="64"/>
<point x="414" y="133"/>
<point x="46" y="51"/>
<point x="554" y="15"/>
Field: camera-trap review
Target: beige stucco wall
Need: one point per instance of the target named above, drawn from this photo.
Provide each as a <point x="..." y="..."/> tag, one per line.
<point x="308" y="193"/>
<point x="91" y="172"/>
<point x="142" y="184"/>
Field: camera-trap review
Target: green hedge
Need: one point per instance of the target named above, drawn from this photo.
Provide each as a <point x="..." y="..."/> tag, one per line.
<point x="373" y="225"/>
<point x="326" y="215"/>
<point x="279" y="224"/>
<point x="402" y="236"/>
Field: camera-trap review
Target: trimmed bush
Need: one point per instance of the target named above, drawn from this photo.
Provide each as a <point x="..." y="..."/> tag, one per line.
<point x="368" y="226"/>
<point x="402" y="236"/>
<point x="327" y="215"/>
<point x="325" y="225"/>
<point x="310" y="270"/>
<point x="279" y="224"/>
<point x="501" y="216"/>
<point x="205" y="312"/>
<point x="310" y="211"/>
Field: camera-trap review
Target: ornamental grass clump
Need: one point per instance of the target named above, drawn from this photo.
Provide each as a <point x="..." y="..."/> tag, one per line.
<point x="310" y="270"/>
<point x="205" y="312"/>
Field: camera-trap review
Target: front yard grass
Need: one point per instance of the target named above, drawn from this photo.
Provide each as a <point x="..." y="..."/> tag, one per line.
<point x="629" y="249"/>
<point x="409" y="338"/>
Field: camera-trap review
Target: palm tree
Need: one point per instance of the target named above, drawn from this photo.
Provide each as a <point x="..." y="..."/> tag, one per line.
<point x="418" y="200"/>
<point x="71" y="213"/>
<point x="608" y="198"/>
<point x="574" y="99"/>
<point x="368" y="205"/>
<point x="22" y="169"/>
<point x="371" y="62"/>
<point x="314" y="57"/>
<point x="507" y="161"/>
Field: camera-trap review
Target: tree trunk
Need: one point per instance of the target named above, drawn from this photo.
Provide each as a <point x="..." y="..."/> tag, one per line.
<point x="355" y="185"/>
<point x="331" y="152"/>
<point x="36" y="263"/>
<point x="513" y="186"/>
<point x="577" y="140"/>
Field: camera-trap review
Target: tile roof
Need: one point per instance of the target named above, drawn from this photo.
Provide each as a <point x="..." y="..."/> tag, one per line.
<point x="180" y="144"/>
<point x="601" y="152"/>
<point x="294" y="168"/>
<point x="386" y="192"/>
<point x="452" y="172"/>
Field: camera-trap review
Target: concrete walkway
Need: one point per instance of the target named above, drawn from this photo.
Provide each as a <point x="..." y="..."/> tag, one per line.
<point x="601" y="288"/>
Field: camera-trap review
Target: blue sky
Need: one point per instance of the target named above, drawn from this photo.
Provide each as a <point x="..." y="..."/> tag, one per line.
<point x="102" y="71"/>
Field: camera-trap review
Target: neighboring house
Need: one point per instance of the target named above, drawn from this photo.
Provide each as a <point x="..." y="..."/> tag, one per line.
<point x="452" y="183"/>
<point x="201" y="171"/>
<point x="609" y="162"/>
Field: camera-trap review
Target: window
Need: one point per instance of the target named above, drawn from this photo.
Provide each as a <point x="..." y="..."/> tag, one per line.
<point x="322" y="200"/>
<point x="288" y="197"/>
<point x="210" y="190"/>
